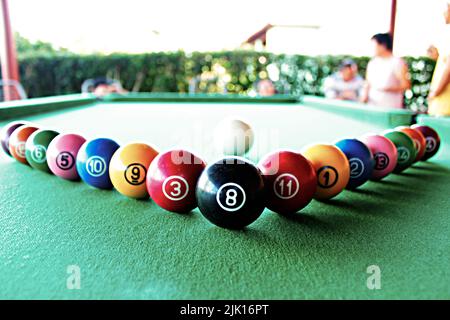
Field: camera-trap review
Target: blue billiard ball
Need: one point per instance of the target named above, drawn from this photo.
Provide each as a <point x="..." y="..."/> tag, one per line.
<point x="360" y="159"/>
<point x="93" y="162"/>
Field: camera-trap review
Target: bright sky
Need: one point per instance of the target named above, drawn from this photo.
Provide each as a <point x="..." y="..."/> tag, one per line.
<point x="198" y="25"/>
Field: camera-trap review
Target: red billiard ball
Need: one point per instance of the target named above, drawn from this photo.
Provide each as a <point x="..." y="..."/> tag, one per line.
<point x="172" y="178"/>
<point x="290" y="181"/>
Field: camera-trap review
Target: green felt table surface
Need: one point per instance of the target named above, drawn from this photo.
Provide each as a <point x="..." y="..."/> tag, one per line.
<point x="131" y="249"/>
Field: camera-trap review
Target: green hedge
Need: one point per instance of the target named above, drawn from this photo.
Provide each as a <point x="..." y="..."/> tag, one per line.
<point x="234" y="72"/>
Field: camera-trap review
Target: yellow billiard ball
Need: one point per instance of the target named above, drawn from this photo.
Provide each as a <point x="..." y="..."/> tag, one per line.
<point x="332" y="169"/>
<point x="128" y="169"/>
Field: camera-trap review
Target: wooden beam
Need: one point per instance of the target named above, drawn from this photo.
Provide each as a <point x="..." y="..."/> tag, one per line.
<point x="393" y="16"/>
<point x="259" y="35"/>
<point x="8" y="56"/>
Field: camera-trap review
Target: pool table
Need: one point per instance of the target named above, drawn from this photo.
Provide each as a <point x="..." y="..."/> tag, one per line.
<point x="132" y="249"/>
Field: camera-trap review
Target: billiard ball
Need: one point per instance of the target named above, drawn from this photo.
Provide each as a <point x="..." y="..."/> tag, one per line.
<point x="93" y="162"/>
<point x="6" y="132"/>
<point x="417" y="137"/>
<point x="36" y="148"/>
<point x="406" y="151"/>
<point x="128" y="169"/>
<point x="172" y="178"/>
<point x="433" y="141"/>
<point x="62" y="154"/>
<point x="384" y="154"/>
<point x="230" y="193"/>
<point x="360" y="159"/>
<point x="234" y="137"/>
<point x="290" y="181"/>
<point x="332" y="169"/>
<point x="17" y="142"/>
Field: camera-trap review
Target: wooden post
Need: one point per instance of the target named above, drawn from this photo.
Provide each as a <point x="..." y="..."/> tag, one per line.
<point x="393" y="15"/>
<point x="10" y="68"/>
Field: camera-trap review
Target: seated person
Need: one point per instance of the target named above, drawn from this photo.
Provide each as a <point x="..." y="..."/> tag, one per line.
<point x="439" y="96"/>
<point x="102" y="86"/>
<point x="387" y="76"/>
<point x="346" y="84"/>
<point x="266" y="88"/>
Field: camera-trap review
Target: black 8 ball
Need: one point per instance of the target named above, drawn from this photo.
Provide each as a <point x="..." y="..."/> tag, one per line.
<point x="230" y="193"/>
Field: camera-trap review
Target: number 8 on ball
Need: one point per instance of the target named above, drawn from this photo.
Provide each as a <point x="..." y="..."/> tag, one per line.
<point x="230" y="193"/>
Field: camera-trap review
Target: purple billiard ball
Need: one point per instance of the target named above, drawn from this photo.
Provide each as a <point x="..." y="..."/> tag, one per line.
<point x="6" y="132"/>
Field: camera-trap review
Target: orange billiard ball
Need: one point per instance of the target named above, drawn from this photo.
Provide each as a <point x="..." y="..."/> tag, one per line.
<point x="420" y="143"/>
<point x="17" y="142"/>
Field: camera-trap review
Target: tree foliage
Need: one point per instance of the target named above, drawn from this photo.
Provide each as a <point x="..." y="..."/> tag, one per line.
<point x="48" y="72"/>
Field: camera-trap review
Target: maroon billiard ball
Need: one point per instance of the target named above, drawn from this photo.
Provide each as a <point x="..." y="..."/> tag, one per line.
<point x="290" y="181"/>
<point x="433" y="141"/>
<point x="6" y="133"/>
<point x="172" y="178"/>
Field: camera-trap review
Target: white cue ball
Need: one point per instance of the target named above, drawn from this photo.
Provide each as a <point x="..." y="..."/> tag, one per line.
<point x="234" y="137"/>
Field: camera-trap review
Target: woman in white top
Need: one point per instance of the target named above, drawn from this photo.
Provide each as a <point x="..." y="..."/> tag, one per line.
<point x="387" y="76"/>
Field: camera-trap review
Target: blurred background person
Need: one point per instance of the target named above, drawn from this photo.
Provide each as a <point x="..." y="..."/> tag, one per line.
<point x="432" y="53"/>
<point x="102" y="86"/>
<point x="346" y="84"/>
<point x="439" y="97"/>
<point x="265" y="88"/>
<point x="387" y="76"/>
